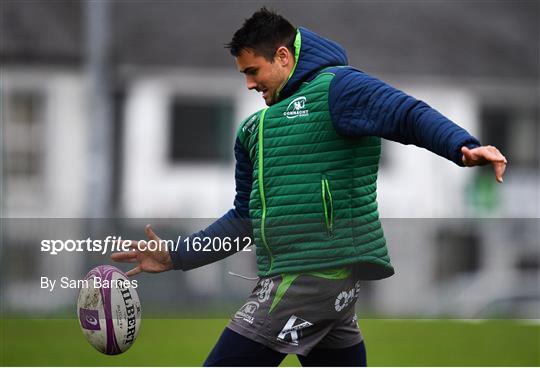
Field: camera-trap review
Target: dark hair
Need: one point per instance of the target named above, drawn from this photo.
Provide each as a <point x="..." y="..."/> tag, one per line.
<point x="264" y="33"/>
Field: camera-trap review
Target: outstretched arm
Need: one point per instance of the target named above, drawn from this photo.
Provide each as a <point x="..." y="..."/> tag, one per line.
<point x="361" y="105"/>
<point x="234" y="224"/>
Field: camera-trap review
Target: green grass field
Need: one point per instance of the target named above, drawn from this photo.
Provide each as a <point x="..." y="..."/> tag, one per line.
<point x="186" y="342"/>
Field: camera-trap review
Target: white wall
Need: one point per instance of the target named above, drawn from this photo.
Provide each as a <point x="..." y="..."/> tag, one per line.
<point x="417" y="183"/>
<point x="152" y="185"/>
<point x="61" y="191"/>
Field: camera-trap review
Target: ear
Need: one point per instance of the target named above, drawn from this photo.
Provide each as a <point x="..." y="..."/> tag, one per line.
<point x="284" y="56"/>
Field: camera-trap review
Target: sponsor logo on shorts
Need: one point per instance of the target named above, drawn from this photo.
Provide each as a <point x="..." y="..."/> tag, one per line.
<point x="266" y="288"/>
<point x="345" y="298"/>
<point x="292" y="330"/>
<point x="246" y="312"/>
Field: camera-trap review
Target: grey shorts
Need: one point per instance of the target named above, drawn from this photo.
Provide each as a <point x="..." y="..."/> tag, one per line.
<point x="294" y="313"/>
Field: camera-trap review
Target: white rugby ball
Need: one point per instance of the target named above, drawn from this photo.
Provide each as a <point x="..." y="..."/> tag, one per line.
<point x="109" y="310"/>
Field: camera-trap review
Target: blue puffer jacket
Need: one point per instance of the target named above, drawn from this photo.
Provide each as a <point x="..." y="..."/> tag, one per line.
<point x="360" y="105"/>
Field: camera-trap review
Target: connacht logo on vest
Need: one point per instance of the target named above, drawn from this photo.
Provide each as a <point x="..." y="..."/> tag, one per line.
<point x="297" y="108"/>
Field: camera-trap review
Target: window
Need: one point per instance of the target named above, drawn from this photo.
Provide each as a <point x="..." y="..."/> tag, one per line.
<point x="201" y="130"/>
<point x="515" y="131"/>
<point x="458" y="252"/>
<point x="24" y="135"/>
<point x="23" y="263"/>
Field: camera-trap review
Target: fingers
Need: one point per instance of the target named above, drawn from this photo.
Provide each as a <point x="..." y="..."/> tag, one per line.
<point x="499" y="171"/>
<point x="498" y="161"/>
<point x="136" y="244"/>
<point x="140" y="245"/>
<point x="500" y="168"/>
<point x="124" y="244"/>
<point x="150" y="233"/>
<point x="126" y="257"/>
<point x="468" y="156"/>
<point x="484" y="155"/>
<point x="139" y="249"/>
<point x="134" y="271"/>
<point x="492" y="154"/>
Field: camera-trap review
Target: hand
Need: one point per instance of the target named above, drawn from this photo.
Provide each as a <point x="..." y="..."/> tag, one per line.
<point x="153" y="261"/>
<point x="484" y="155"/>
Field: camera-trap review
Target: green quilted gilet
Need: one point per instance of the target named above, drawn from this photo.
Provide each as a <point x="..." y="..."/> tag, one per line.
<point x="313" y="200"/>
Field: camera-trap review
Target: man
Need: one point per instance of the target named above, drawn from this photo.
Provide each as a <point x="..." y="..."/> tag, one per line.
<point x="306" y="171"/>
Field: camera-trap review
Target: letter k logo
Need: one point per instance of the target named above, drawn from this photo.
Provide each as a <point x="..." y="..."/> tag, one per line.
<point x="289" y="333"/>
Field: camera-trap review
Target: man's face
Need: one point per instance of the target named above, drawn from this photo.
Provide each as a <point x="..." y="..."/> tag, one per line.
<point x="265" y="76"/>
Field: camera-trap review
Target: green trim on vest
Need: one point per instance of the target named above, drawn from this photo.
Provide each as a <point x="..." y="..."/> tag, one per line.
<point x="332" y="274"/>
<point x="261" y="183"/>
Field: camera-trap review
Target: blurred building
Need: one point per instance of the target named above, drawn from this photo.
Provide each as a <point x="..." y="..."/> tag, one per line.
<point x="176" y="100"/>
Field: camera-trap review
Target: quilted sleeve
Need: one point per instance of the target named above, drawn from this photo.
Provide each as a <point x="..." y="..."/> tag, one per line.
<point x="235" y="223"/>
<point x="361" y="105"/>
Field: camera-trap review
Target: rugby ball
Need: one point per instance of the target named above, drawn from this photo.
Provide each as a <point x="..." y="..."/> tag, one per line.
<point x="109" y="310"/>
